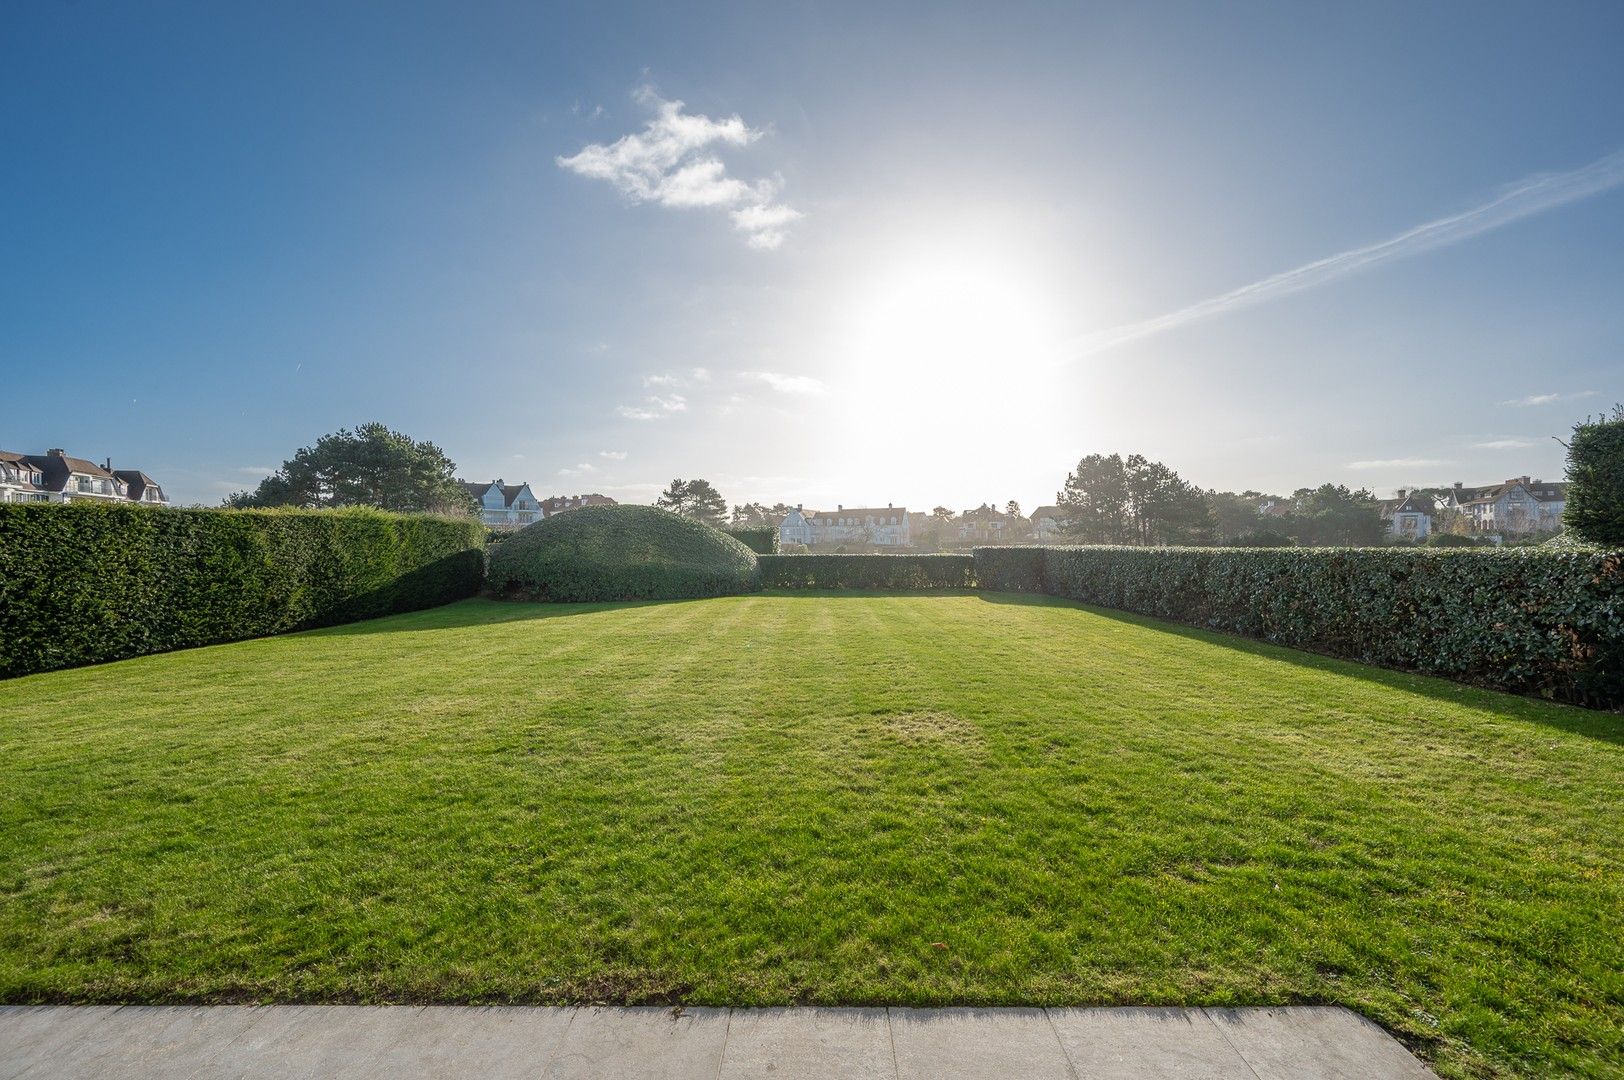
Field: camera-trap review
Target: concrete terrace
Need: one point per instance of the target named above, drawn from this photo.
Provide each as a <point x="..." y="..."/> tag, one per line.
<point x="286" y="1041"/>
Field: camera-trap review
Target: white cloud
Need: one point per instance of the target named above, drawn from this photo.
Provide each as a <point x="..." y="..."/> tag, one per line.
<point x="1531" y="195"/>
<point x="663" y="380"/>
<point x="654" y="407"/>
<point x="1548" y="399"/>
<point x="1399" y="463"/>
<point x="700" y="374"/>
<point x="1505" y="444"/>
<point x="672" y="162"/>
<point x="577" y="470"/>
<point x="613" y="455"/>
<point x="786" y="384"/>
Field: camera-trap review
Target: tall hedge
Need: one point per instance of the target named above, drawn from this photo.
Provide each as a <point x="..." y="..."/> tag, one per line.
<point x="86" y="582"/>
<point x="1528" y="620"/>
<point x="1595" y="505"/>
<point x="762" y="540"/>
<point x="1009" y="569"/>
<point x="619" y="553"/>
<point x="899" y="572"/>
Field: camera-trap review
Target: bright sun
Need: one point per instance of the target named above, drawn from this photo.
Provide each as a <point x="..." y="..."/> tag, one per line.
<point x="954" y="332"/>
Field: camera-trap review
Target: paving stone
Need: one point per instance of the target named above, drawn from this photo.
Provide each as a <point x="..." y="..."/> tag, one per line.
<point x="1134" y="1043"/>
<point x="972" y="1044"/>
<point x="1316" y="1043"/>
<point x="40" y="1041"/>
<point x="167" y="1040"/>
<point x="309" y="1042"/>
<point x="811" y="1043"/>
<point x="649" y="1043"/>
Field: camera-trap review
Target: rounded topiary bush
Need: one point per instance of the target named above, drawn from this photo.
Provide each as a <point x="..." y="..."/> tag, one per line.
<point x="619" y="553"/>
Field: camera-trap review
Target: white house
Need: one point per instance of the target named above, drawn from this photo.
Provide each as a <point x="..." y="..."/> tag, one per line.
<point x="1410" y="518"/>
<point x="1519" y="505"/>
<point x="883" y="527"/>
<point x="56" y="477"/>
<point x="502" y="505"/>
<point x="1047" y="523"/>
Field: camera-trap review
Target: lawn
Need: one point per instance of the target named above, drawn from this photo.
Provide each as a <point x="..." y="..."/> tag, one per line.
<point x="798" y="798"/>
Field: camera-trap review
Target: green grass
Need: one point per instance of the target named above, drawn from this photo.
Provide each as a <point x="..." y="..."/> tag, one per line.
<point x="850" y="799"/>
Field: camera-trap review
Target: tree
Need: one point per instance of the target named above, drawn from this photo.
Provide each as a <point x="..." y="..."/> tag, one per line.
<point x="1595" y="504"/>
<point x="1236" y="516"/>
<point x="1013" y="509"/>
<point x="1108" y="500"/>
<point x="1163" y="507"/>
<point x="1331" y="515"/>
<point x="696" y="500"/>
<point x="370" y="466"/>
<point x="1095" y="500"/>
<point x="759" y="516"/>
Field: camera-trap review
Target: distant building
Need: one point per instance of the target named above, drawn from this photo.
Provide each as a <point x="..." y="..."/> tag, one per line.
<point x="884" y="527"/>
<point x="1410" y="517"/>
<point x="1517" y="506"/>
<point x="1048" y="523"/>
<point x="504" y="505"/>
<point x="986" y="524"/>
<point x="560" y="503"/>
<point x="54" y="477"/>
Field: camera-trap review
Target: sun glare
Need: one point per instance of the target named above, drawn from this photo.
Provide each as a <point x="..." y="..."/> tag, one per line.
<point x="955" y="336"/>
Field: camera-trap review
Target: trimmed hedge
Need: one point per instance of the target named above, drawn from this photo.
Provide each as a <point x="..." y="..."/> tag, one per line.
<point x="619" y="553"/>
<point x="900" y="572"/>
<point x="762" y="540"/>
<point x="1009" y="569"/>
<point x="1526" y="620"/>
<point x="90" y="582"/>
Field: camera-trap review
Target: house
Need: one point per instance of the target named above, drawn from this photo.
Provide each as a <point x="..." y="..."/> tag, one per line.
<point x="883" y="527"/>
<point x="1048" y="522"/>
<point x="987" y="524"/>
<point x="141" y="488"/>
<point x="21" y="480"/>
<point x="511" y="506"/>
<point x="1519" y="505"/>
<point x="55" y="477"/>
<point x="1410" y="516"/>
<point x="560" y="503"/>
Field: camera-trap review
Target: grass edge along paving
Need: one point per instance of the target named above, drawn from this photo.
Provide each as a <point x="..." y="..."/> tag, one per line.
<point x="983" y="799"/>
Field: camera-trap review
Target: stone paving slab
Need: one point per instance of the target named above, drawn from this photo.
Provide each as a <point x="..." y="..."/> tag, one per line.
<point x="284" y="1042"/>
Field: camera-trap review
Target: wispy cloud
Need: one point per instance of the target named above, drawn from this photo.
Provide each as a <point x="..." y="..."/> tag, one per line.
<point x="672" y="162"/>
<point x="1505" y="444"/>
<point x="678" y="378"/>
<point x="1532" y="195"/>
<point x="786" y="384"/>
<point x="654" y="407"/>
<point x="577" y="470"/>
<point x="613" y="455"/>
<point x="1548" y="399"/>
<point x="1399" y="463"/>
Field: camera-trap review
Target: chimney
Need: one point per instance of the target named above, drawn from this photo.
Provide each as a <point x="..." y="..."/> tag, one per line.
<point x="1458" y="485"/>
<point x="108" y="464"/>
<point x="840" y="506"/>
<point x="890" y="506"/>
<point x="55" y="451"/>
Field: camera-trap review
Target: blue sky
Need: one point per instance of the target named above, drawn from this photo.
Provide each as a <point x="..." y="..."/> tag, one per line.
<point x="230" y="229"/>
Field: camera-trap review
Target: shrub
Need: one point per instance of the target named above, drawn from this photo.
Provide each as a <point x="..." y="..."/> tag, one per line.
<point x="1595" y="503"/>
<point x="762" y="540"/>
<point x="90" y="582"/>
<point x="1262" y="538"/>
<point x="1530" y="620"/>
<point x="1009" y="569"/>
<point x="619" y="553"/>
<point x="901" y="572"/>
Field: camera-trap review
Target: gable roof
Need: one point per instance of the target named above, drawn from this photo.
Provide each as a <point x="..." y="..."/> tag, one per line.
<point x="1047" y="512"/>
